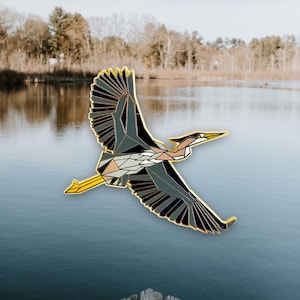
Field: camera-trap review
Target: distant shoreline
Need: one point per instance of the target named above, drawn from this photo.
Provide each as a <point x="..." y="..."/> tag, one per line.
<point x="10" y="78"/>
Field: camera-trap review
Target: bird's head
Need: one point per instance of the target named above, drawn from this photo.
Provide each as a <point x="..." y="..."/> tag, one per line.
<point x="196" y="138"/>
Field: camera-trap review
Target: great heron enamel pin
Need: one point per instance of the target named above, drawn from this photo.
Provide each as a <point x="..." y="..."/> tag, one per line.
<point x="132" y="158"/>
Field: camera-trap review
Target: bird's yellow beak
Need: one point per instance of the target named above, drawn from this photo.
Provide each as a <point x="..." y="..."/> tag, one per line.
<point x="215" y="135"/>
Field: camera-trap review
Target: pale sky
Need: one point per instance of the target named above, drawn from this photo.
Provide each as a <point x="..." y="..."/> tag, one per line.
<point x="211" y="18"/>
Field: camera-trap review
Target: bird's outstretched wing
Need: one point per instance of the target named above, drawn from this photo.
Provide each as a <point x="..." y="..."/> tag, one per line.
<point x="115" y="115"/>
<point x="161" y="189"/>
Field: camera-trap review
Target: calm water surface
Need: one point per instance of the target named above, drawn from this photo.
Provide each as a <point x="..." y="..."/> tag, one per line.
<point x="104" y="244"/>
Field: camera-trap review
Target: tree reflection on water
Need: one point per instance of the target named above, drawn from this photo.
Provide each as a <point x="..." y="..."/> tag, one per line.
<point x="65" y="105"/>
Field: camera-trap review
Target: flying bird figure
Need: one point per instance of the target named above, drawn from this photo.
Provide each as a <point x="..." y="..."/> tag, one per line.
<point x="132" y="158"/>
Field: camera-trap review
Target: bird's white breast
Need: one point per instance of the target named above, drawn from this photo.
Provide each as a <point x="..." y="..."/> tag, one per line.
<point x="132" y="163"/>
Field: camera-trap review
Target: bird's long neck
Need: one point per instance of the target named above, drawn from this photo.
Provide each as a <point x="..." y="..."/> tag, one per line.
<point x="180" y="151"/>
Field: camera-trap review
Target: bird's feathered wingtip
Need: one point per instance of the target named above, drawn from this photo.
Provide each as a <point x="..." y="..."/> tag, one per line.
<point x="117" y="71"/>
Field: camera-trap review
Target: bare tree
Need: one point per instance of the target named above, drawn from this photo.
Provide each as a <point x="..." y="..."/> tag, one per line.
<point x="26" y="43"/>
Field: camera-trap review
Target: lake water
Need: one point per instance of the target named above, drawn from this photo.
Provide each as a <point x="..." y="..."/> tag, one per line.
<point x="104" y="244"/>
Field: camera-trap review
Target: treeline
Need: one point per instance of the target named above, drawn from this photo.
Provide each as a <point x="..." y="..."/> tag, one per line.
<point x="70" y="42"/>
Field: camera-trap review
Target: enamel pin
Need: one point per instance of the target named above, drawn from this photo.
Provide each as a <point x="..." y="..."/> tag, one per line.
<point x="132" y="158"/>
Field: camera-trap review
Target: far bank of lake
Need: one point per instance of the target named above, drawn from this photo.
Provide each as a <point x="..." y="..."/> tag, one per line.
<point x="11" y="78"/>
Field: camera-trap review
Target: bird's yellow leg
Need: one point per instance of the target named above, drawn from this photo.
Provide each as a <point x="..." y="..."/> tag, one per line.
<point x="78" y="187"/>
